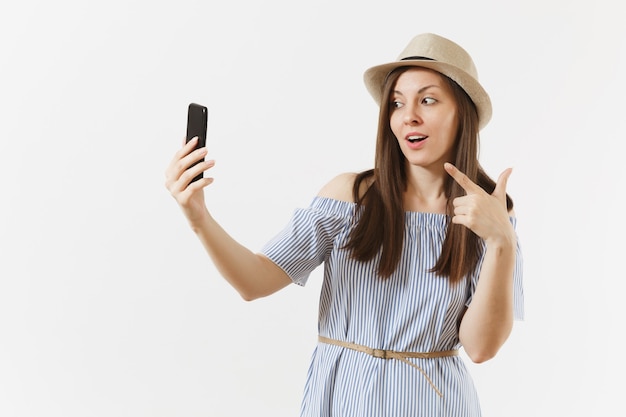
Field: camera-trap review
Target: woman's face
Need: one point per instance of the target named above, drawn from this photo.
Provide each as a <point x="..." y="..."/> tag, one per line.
<point x="423" y="117"/>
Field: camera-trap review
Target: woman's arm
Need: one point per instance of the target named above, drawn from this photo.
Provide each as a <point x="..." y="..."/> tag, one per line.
<point x="251" y="274"/>
<point x="488" y="321"/>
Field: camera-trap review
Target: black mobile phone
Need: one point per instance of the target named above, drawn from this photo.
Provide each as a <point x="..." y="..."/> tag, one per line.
<point x="197" y="126"/>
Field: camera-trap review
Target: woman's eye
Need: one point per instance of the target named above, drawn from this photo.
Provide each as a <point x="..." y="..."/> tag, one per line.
<point x="429" y="100"/>
<point x="396" y="104"/>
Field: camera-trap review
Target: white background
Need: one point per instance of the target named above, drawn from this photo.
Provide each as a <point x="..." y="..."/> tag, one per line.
<point x="108" y="304"/>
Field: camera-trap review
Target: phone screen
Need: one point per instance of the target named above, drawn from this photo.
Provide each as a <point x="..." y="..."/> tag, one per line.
<point x="197" y="126"/>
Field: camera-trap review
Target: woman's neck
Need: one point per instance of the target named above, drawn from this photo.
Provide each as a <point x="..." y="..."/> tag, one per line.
<point x="425" y="191"/>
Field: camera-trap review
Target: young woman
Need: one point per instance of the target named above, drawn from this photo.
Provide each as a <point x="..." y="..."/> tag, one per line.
<point x="420" y="253"/>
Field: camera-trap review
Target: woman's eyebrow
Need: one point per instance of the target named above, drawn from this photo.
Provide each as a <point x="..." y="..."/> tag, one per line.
<point x="420" y="91"/>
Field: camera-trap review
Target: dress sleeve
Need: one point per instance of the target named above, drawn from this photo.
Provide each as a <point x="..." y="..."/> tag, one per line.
<point x="518" y="289"/>
<point x="308" y="239"/>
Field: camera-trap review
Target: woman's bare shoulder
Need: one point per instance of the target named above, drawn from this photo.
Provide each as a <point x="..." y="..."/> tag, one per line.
<point x="339" y="188"/>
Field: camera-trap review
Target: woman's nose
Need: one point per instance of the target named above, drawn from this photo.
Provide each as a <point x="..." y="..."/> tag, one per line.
<point x="411" y="116"/>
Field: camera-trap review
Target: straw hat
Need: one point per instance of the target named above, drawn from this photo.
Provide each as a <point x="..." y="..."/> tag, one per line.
<point x="442" y="55"/>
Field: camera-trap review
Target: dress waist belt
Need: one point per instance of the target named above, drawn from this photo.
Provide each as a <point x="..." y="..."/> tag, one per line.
<point x="391" y="354"/>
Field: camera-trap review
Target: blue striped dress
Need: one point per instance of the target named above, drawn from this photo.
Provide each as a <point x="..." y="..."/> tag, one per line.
<point x="412" y="311"/>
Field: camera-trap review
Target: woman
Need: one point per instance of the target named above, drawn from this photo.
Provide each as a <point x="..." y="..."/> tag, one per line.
<point x="420" y="253"/>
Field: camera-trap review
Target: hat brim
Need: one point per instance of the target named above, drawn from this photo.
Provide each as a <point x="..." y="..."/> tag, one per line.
<point x="374" y="78"/>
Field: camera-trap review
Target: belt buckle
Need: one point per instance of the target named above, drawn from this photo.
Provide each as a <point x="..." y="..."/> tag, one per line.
<point x="379" y="353"/>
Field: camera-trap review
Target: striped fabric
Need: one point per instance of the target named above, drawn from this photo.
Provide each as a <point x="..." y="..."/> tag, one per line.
<point x="413" y="310"/>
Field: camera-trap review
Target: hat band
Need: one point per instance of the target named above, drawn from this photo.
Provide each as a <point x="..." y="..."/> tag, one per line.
<point x="417" y="57"/>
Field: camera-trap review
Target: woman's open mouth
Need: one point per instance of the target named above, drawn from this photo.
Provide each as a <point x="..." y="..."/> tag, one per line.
<point x="414" y="139"/>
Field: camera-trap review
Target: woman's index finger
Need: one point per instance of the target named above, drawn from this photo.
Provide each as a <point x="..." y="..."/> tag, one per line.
<point x="463" y="180"/>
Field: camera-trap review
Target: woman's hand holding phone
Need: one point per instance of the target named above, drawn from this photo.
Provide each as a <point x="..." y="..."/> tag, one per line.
<point x="184" y="175"/>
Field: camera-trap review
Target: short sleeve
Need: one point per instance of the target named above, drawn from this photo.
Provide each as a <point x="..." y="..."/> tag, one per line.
<point x="308" y="238"/>
<point x="518" y="289"/>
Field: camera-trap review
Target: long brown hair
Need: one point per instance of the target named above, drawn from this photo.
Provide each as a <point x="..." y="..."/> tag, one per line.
<point x="380" y="227"/>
